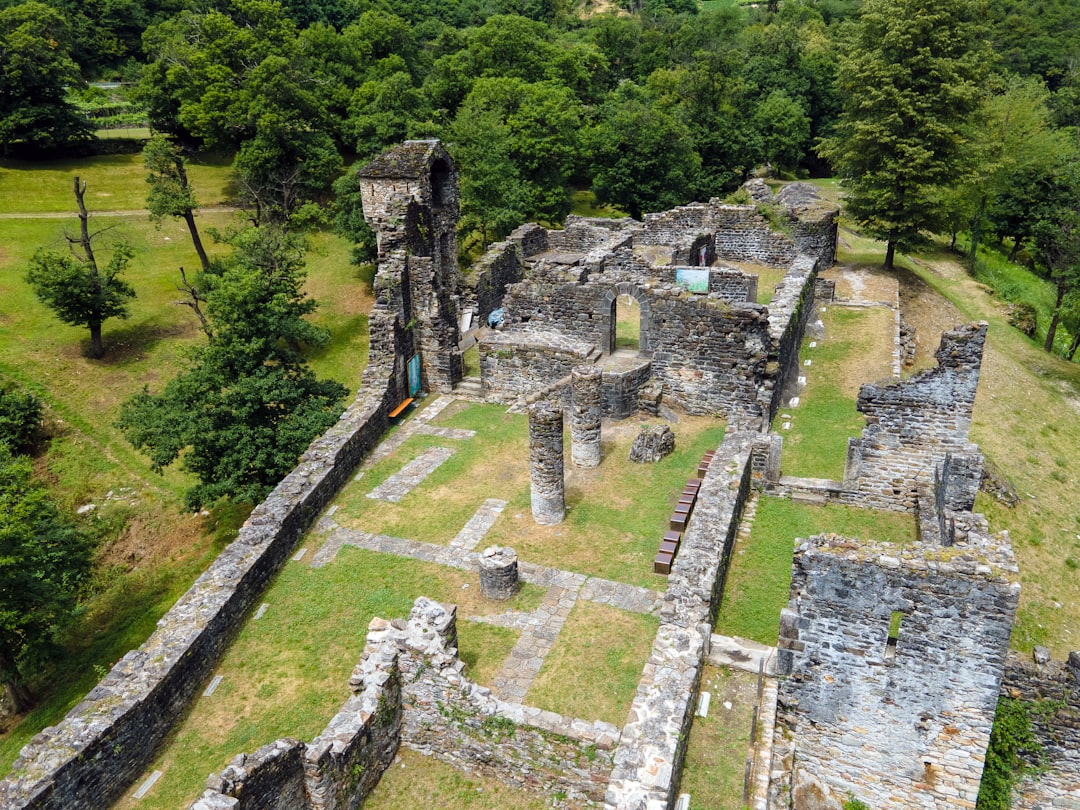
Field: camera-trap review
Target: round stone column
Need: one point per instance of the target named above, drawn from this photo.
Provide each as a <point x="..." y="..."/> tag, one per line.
<point x="546" y="462"/>
<point x="586" y="411"/>
<point x="498" y="572"/>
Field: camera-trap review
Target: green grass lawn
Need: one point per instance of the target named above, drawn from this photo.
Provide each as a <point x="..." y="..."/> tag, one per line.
<point x="616" y="513"/>
<point x="759" y="577"/>
<point x="113" y="183"/>
<point x="287" y="673"/>
<point x="720" y="743"/>
<point x="593" y="670"/>
<point x="851" y="353"/>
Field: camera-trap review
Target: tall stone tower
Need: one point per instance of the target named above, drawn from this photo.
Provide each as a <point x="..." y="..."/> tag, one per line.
<point x="410" y="197"/>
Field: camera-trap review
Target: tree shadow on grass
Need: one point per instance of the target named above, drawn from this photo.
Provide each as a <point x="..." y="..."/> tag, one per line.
<point x="130" y="342"/>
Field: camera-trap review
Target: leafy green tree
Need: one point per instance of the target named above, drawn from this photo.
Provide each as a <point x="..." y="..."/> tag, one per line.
<point x="784" y="128"/>
<point x="171" y="195"/>
<point x="244" y="78"/>
<point x="248" y="404"/>
<point x="1056" y="234"/>
<point x="643" y="157"/>
<point x="72" y="285"/>
<point x="491" y="196"/>
<point x="35" y="70"/>
<point x="910" y="84"/>
<point x="43" y="562"/>
<point x="539" y="124"/>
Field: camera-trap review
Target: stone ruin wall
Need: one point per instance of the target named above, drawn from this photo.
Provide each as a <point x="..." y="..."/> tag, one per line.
<point x="649" y="759"/>
<point x="410" y="689"/>
<point x="904" y="731"/>
<point x="110" y="737"/>
<point x="913" y="424"/>
<point x="1052" y="689"/>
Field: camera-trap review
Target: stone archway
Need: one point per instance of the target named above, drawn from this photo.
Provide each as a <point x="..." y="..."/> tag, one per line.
<point x="608" y="312"/>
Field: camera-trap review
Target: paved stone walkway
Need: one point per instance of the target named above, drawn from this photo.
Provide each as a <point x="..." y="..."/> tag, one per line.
<point x="407" y="430"/>
<point x="456" y="434"/>
<point x="539" y="628"/>
<point x="477" y="526"/>
<point x="409" y="477"/>
<point x="537" y="638"/>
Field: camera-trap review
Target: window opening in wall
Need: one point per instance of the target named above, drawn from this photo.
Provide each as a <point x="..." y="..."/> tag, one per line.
<point x="627" y="323"/>
<point x="440" y="179"/>
<point x="894" y="634"/>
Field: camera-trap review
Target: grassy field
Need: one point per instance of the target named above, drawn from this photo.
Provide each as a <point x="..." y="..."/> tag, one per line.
<point x="720" y="743"/>
<point x="759" y="577"/>
<point x="856" y="348"/>
<point x="593" y="670"/>
<point x="149" y="554"/>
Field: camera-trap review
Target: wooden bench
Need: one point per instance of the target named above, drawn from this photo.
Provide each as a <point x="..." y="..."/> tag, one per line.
<point x="398" y="410"/>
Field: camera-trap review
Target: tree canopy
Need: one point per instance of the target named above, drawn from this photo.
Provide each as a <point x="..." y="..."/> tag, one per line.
<point x="247" y="405"/>
<point x="910" y="83"/>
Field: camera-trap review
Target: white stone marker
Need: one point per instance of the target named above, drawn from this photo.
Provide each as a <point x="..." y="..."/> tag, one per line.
<point x="149" y="783"/>
<point x="213" y="685"/>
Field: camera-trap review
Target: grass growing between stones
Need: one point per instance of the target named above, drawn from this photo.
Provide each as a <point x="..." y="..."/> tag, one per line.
<point x="759" y="577"/>
<point x="720" y="743"/>
<point x="616" y="513"/>
<point x="593" y="670"/>
<point x="856" y="349"/>
<point x="414" y="780"/>
<point x="287" y="673"/>
<point x="492" y="464"/>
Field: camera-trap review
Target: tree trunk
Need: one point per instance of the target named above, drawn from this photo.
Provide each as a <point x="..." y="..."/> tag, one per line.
<point x="1051" y="333"/>
<point x="19" y="695"/>
<point x="976" y="232"/>
<point x="1015" y="248"/>
<point x="890" y="254"/>
<point x="97" y="347"/>
<point x="189" y="218"/>
<point x="1073" y="347"/>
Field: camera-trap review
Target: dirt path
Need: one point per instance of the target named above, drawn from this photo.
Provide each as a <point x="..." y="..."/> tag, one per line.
<point x="134" y="212"/>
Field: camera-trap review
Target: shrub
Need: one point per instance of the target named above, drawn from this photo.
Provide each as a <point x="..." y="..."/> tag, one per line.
<point x="20" y="419"/>
<point x="1024" y="317"/>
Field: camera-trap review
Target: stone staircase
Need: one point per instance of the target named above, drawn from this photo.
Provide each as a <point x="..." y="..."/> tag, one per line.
<point x="470" y="388"/>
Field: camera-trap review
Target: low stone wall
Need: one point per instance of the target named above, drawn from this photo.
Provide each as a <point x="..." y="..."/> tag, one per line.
<point x="620" y="389"/>
<point x="649" y="760"/>
<point x="109" y="738"/>
<point x="673" y="226"/>
<point x="789" y="310"/>
<point x="897" y="724"/>
<point x="744" y="235"/>
<point x="1053" y="689"/>
<point x="449" y="717"/>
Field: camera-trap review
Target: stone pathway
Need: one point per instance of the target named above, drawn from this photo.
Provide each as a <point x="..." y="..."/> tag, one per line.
<point x="537" y="638"/>
<point x="456" y="434"/>
<point x="407" y="430"/>
<point x="477" y="526"/>
<point x="409" y="477"/>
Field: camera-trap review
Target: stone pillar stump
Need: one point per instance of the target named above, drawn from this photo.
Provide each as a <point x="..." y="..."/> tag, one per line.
<point x="585" y="415"/>
<point x="546" y="463"/>
<point x="498" y="572"/>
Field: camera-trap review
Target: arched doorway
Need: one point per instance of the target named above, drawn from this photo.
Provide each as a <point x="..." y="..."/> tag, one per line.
<point x="627" y="320"/>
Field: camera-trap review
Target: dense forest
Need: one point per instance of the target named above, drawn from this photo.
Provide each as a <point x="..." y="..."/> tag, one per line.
<point x="649" y="106"/>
